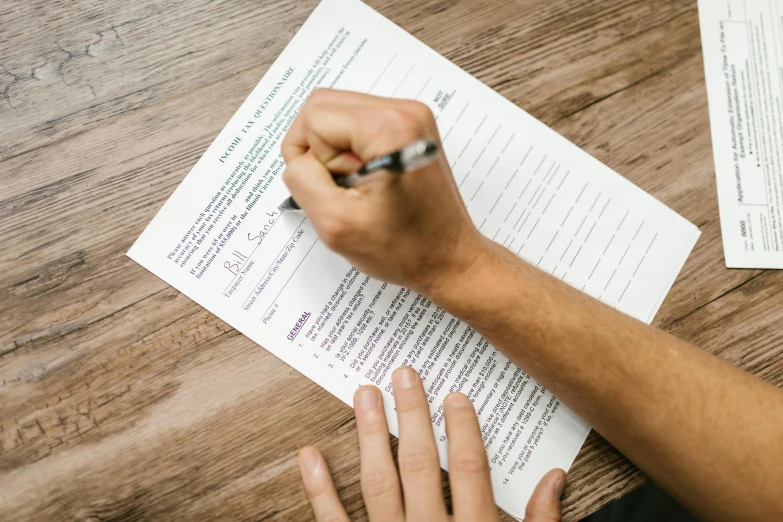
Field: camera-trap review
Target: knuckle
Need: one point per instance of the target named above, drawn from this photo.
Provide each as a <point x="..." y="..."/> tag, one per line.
<point x="332" y="517"/>
<point x="319" y="95"/>
<point x="292" y="172"/>
<point x="370" y="426"/>
<point x="418" y="461"/>
<point x="407" y="404"/>
<point x="422" y="112"/>
<point x="314" y="489"/>
<point x="470" y="461"/>
<point x="378" y="483"/>
<point x="288" y="174"/>
<point x="406" y="123"/>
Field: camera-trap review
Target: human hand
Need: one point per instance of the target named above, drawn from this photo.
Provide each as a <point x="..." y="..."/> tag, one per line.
<point x="411" y="229"/>
<point x="414" y="494"/>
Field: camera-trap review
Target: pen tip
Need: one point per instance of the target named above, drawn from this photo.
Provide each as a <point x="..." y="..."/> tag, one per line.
<point x="430" y="147"/>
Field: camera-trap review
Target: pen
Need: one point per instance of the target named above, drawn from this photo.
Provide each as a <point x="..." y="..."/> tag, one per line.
<point x="414" y="156"/>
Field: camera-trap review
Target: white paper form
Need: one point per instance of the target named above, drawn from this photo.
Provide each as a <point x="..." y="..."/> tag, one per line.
<point x="742" y="42"/>
<point x="221" y="240"/>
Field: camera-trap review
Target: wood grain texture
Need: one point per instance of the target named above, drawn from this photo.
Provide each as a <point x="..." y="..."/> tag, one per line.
<point x="122" y="400"/>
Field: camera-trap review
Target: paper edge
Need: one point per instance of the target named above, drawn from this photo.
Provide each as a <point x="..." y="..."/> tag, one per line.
<point x="668" y="287"/>
<point x="570" y="461"/>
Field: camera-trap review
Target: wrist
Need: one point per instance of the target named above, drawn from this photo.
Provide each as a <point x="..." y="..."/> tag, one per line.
<point x="474" y="279"/>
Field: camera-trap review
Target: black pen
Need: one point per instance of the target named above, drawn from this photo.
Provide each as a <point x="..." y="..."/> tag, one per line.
<point x="414" y="156"/>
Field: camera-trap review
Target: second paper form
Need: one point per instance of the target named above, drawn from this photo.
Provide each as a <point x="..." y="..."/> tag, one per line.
<point x="221" y="240"/>
<point x="742" y="42"/>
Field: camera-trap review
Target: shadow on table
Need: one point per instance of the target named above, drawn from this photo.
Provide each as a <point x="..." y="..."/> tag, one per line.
<point x="649" y="503"/>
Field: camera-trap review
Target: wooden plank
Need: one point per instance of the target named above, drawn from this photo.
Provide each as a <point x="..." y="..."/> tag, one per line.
<point x="120" y="398"/>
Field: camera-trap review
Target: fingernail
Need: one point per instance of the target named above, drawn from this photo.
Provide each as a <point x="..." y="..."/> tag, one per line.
<point x="368" y="399"/>
<point x="309" y="460"/>
<point x="559" y="486"/>
<point x="458" y="400"/>
<point x="405" y="377"/>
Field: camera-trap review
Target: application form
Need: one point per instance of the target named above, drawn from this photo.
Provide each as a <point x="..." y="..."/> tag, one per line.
<point x="221" y="240"/>
<point x="742" y="42"/>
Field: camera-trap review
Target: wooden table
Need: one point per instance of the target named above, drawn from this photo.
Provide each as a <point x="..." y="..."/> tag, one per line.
<point x="121" y="399"/>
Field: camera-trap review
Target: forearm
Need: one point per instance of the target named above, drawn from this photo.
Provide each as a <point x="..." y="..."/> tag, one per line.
<point x="709" y="433"/>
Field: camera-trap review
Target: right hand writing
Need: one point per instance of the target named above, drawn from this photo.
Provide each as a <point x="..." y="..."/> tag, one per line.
<point x="411" y="229"/>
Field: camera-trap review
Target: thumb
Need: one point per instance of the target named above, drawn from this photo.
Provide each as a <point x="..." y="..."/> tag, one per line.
<point x="544" y="505"/>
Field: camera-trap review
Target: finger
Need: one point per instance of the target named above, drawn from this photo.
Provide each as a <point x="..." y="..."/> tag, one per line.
<point x="319" y="487"/>
<point x="380" y="483"/>
<point x="296" y="143"/>
<point x="326" y="95"/>
<point x="368" y="131"/>
<point x="311" y="184"/>
<point x="417" y="453"/>
<point x="335" y="160"/>
<point x="544" y="505"/>
<point x="471" y="487"/>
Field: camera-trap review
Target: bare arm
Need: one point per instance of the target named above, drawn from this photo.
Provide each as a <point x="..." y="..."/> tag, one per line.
<point x="705" y="431"/>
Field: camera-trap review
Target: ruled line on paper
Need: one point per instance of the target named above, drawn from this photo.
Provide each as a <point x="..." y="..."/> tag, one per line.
<point x="594" y="269"/>
<point x="383" y="72"/>
<point x="424" y="87"/>
<point x="511" y="178"/>
<point x="461" y="113"/>
<point x="539" y="166"/>
<point x="638" y="230"/>
<point x="651" y="244"/>
<point x="623" y="257"/>
<point x="465" y="148"/>
<point x="532" y="229"/>
<point x="523" y="222"/>
<point x="552" y="241"/>
<point x="479" y="156"/>
<point x="604" y="209"/>
<point x="580" y="194"/>
<point x="563" y="180"/>
<point x="577" y="255"/>
<point x="534" y="195"/>
<point x="447" y="135"/>
<point x="547" y="205"/>
<point x="608" y="245"/>
<point x="403" y="80"/>
<point x="480" y="124"/>
<point x="580" y="226"/>
<point x="496" y="203"/>
<point x="596" y="201"/>
<point x="610" y="279"/>
<point x="622" y="220"/>
<point x="492" y="167"/>
<point x="539" y="198"/>
<point x="463" y="179"/>
<point x="566" y="250"/>
<point x="477" y="190"/>
<point x="591" y="231"/>
<point x="493" y="135"/>
<point x="519" y="218"/>
<point x="524" y="189"/>
<point x="567" y="215"/>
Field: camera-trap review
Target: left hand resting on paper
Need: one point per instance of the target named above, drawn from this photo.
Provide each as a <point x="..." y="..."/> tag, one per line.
<point x="414" y="494"/>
